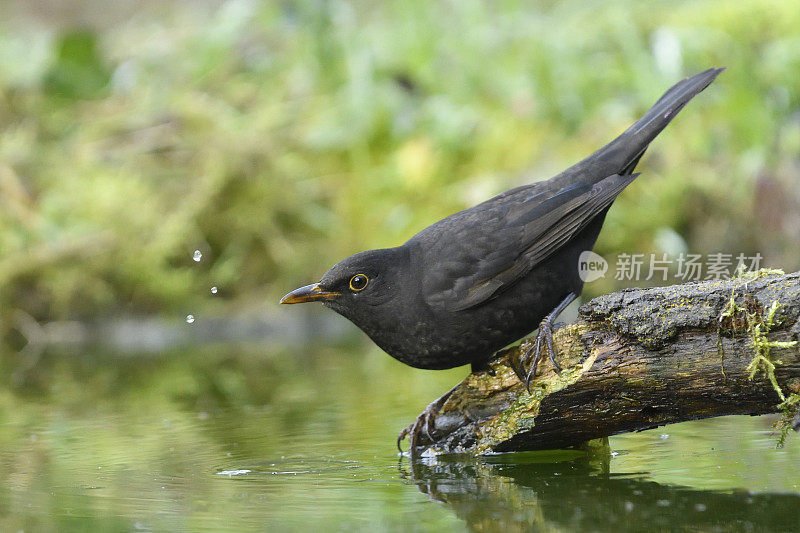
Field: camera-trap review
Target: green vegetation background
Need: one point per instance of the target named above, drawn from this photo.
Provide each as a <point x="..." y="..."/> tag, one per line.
<point x="280" y="137"/>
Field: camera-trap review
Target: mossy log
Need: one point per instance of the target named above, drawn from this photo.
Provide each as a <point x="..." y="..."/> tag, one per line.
<point x="634" y="360"/>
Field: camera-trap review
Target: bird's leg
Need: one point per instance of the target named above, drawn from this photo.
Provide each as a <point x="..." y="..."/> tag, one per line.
<point x="483" y="366"/>
<point x="424" y="422"/>
<point x="545" y="335"/>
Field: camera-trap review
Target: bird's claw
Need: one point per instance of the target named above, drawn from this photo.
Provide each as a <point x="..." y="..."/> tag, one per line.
<point x="414" y="430"/>
<point x="424" y="424"/>
<point x="545" y="335"/>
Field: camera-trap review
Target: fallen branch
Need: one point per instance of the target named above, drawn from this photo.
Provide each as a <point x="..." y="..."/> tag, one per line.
<point x="637" y="359"/>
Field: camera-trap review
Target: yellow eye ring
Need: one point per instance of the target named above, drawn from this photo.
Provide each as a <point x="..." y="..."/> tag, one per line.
<point x="358" y="282"/>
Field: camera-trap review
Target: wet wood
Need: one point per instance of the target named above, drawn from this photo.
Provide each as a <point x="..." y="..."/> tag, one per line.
<point x="637" y="359"/>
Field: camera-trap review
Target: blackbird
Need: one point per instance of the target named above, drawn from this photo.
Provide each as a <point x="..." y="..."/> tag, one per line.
<point x="482" y="278"/>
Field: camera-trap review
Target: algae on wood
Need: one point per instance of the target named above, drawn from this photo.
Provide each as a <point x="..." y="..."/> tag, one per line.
<point x="637" y="359"/>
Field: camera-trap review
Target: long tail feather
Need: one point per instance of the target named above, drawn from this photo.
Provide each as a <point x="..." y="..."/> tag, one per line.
<point x="621" y="155"/>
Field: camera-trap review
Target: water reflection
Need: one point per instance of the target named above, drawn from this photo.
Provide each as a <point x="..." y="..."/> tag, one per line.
<point x="514" y="492"/>
<point x="232" y="439"/>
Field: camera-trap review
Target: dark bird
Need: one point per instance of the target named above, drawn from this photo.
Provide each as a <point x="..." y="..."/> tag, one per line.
<point x="482" y="278"/>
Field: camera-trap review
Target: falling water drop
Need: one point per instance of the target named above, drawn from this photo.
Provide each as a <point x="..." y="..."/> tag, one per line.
<point x="190" y="319"/>
<point x="198" y="255"/>
<point x="214" y="290"/>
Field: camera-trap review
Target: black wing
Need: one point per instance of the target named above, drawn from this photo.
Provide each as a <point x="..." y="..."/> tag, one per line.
<point x="474" y="254"/>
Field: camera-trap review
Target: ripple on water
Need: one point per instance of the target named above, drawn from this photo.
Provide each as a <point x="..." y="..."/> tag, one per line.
<point x="231" y="473"/>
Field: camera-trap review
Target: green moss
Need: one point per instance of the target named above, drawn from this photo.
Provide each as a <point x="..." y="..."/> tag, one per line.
<point x="758" y="325"/>
<point x="749" y="275"/>
<point x="522" y="414"/>
<point x="789" y="408"/>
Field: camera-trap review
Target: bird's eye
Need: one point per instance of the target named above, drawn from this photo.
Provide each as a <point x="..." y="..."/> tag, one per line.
<point x="358" y="282"/>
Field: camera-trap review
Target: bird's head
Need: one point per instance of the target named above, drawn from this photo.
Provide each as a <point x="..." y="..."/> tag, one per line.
<point x="358" y="287"/>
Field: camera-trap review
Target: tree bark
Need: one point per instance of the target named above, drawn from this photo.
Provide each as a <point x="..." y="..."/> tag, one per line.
<point x="634" y="360"/>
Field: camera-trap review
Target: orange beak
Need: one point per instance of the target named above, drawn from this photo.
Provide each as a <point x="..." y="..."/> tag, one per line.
<point x="309" y="293"/>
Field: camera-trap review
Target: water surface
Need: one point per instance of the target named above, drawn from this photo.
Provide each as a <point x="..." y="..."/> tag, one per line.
<point x="243" y="438"/>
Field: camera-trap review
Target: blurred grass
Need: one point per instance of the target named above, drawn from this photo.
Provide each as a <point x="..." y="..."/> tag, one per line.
<point x="279" y="137"/>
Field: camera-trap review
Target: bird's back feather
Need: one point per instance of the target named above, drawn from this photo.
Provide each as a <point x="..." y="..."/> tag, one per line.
<point x="475" y="254"/>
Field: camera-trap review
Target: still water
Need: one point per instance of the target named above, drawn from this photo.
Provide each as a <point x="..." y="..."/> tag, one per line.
<point x="244" y="438"/>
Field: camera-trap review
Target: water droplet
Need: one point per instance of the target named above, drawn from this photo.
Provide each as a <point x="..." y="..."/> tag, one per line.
<point x="700" y="507"/>
<point x="190" y="319"/>
<point x="197" y="256"/>
<point x="664" y="436"/>
<point x="214" y="290"/>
